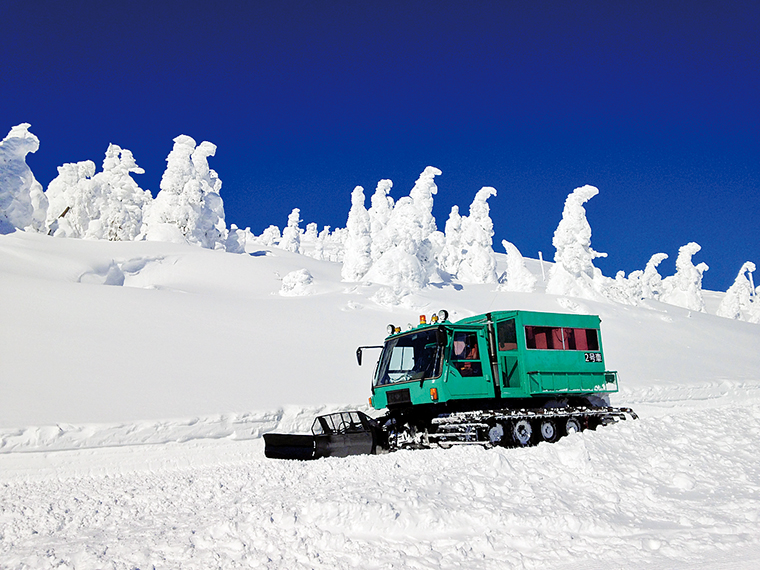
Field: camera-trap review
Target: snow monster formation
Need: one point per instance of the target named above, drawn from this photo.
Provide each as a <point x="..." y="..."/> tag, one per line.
<point x="23" y="204"/>
<point x="107" y="205"/>
<point x="188" y="207"/>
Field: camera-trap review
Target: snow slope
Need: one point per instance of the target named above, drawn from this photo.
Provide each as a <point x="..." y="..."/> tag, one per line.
<point x="138" y="378"/>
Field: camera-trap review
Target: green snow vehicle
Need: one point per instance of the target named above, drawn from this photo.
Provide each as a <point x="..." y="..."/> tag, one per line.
<point x="510" y="378"/>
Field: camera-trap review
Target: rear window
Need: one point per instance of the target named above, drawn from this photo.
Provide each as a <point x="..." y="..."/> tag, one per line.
<point x="561" y="338"/>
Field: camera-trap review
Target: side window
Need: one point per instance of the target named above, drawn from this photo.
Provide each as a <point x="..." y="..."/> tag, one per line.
<point x="507" y="335"/>
<point x="556" y="338"/>
<point x="592" y="339"/>
<point x="543" y="337"/>
<point x="465" y="354"/>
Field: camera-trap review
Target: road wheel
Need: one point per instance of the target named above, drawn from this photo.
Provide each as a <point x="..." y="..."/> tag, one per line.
<point x="522" y="432"/>
<point x="548" y="430"/>
<point x="496" y="434"/>
<point x="572" y="426"/>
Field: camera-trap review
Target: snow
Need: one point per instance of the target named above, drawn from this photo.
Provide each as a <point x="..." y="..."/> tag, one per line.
<point x="139" y="376"/>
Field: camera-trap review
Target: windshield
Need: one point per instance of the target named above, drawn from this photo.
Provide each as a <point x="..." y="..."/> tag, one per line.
<point x="414" y="356"/>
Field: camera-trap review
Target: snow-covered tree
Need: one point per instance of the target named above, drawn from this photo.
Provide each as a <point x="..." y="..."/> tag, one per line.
<point x="517" y="278"/>
<point x="379" y="214"/>
<point x="621" y="289"/>
<point x="237" y="239"/>
<point x="651" y="280"/>
<point x="737" y="302"/>
<point x="478" y="263"/>
<point x="188" y="207"/>
<point x="297" y="283"/>
<point x="451" y="255"/>
<point x="753" y="313"/>
<point x="75" y="200"/>
<point x="311" y="234"/>
<point x="329" y="246"/>
<point x="107" y="205"/>
<point x="684" y="289"/>
<point x="125" y="200"/>
<point x="357" y="256"/>
<point x="410" y="260"/>
<point x="23" y="204"/>
<point x="639" y="285"/>
<point x="270" y="236"/>
<point x="291" y="235"/>
<point x="573" y="272"/>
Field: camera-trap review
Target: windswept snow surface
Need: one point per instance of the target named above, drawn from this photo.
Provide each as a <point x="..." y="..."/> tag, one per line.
<point x="138" y="378"/>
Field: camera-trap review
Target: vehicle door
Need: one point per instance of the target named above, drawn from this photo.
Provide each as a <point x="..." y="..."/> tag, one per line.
<point x="509" y="362"/>
<point x="469" y="373"/>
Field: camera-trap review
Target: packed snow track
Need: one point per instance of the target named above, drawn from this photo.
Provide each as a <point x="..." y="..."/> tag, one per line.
<point x="680" y="490"/>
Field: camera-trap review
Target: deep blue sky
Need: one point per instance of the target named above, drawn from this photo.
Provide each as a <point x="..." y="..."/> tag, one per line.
<point x="656" y="103"/>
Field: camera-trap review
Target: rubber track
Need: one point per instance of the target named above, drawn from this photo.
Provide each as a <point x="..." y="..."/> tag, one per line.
<point x="465" y="428"/>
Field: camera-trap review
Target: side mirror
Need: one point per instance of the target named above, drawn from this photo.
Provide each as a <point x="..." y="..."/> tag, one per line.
<point x="359" y="355"/>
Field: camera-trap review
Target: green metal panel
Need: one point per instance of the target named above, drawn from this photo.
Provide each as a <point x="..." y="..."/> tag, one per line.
<point x="461" y="386"/>
<point x="572" y="382"/>
<point x="549" y="371"/>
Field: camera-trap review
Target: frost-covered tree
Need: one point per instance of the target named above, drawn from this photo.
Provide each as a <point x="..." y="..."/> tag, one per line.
<point x="651" y="280"/>
<point x="478" y="263"/>
<point x="188" y="207"/>
<point x="451" y="255"/>
<point x="297" y="283"/>
<point x="23" y="204"/>
<point x="622" y="289"/>
<point x="270" y="236"/>
<point x="517" y="278"/>
<point x="639" y="285"/>
<point x="75" y="200"/>
<point x="107" y="205"/>
<point x="291" y="235"/>
<point x="684" y="289"/>
<point x="379" y="214"/>
<point x="409" y="263"/>
<point x="737" y="302"/>
<point x="753" y="313"/>
<point x="573" y="272"/>
<point x="357" y="256"/>
<point x="329" y="246"/>
<point x="311" y="234"/>
<point x="238" y="239"/>
<point x="319" y="246"/>
<point x="125" y="200"/>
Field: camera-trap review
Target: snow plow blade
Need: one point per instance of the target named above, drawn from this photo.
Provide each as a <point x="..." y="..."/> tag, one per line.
<point x="333" y="435"/>
<point x="289" y="446"/>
